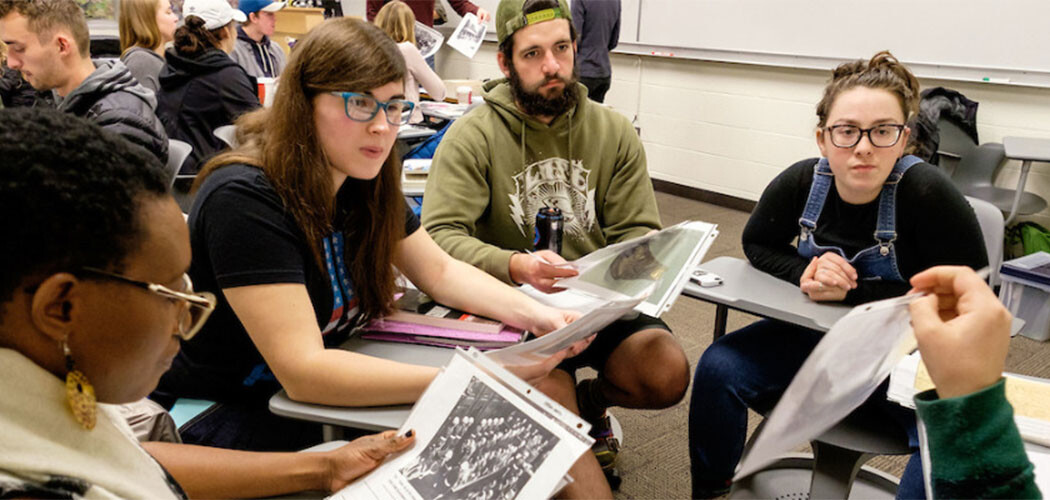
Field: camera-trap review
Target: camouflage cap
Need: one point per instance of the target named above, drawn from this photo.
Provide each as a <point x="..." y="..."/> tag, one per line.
<point x="510" y="18"/>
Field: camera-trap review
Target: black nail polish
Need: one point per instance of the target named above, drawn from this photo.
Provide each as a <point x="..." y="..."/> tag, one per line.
<point x="409" y="433"/>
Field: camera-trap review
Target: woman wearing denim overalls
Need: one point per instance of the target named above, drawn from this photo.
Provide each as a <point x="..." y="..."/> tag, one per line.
<point x="866" y="217"/>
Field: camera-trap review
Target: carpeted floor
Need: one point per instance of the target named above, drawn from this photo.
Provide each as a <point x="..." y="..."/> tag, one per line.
<point x="654" y="461"/>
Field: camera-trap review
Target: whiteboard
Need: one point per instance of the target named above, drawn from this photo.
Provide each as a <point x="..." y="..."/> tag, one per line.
<point x="1005" y="41"/>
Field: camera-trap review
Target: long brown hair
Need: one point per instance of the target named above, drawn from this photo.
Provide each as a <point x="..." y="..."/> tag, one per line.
<point x="398" y="21"/>
<point x="882" y="71"/>
<point x="138" y="24"/>
<point x="192" y="39"/>
<point x="340" y="54"/>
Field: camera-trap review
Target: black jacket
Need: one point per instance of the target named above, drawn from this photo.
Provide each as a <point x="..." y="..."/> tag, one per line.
<point x="113" y="99"/>
<point x="937" y="103"/>
<point x="16" y="92"/>
<point x="199" y="95"/>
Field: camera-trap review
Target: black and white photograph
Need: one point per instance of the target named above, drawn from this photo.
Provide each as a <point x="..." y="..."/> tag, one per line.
<point x="428" y="40"/>
<point x="468" y="35"/>
<point x="486" y="449"/>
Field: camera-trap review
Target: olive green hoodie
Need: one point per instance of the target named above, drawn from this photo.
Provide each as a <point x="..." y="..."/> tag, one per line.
<point x="496" y="167"/>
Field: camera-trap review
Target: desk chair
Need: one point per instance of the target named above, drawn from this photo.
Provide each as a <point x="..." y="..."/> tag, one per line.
<point x="104" y="46"/>
<point x="973" y="169"/>
<point x="990" y="218"/>
<point x="228" y="134"/>
<point x="178" y="151"/>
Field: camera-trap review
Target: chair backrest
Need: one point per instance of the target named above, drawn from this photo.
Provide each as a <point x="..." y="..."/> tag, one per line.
<point x="990" y="218"/>
<point x="104" y="46"/>
<point x="978" y="167"/>
<point x="177" y="153"/>
<point x="953" y="144"/>
<point x="228" y="134"/>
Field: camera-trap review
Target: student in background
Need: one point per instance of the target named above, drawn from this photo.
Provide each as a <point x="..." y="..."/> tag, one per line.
<point x="868" y="217"/>
<point x="396" y="19"/>
<point x="598" y="23"/>
<point x="201" y="88"/>
<point x="423" y="10"/>
<point x="963" y="332"/>
<point x="298" y="232"/>
<point x="93" y="295"/>
<point x="146" y="26"/>
<point x="48" y="43"/>
<point x="255" y="51"/>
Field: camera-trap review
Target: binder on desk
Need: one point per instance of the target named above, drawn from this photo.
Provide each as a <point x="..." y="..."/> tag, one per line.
<point x="1034" y="267"/>
<point x="396" y="331"/>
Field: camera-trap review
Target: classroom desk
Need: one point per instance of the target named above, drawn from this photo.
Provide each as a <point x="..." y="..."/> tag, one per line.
<point x="371" y="418"/>
<point x="1026" y="149"/>
<point x="442" y="110"/>
<point x="414" y="132"/>
<point x="747" y="289"/>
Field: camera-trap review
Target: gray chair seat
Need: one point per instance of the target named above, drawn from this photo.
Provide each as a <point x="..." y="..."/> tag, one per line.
<point x="975" y="170"/>
<point x="836" y="468"/>
<point x="1003" y="198"/>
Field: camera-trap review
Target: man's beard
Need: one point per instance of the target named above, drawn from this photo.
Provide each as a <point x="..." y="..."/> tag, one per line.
<point x="535" y="104"/>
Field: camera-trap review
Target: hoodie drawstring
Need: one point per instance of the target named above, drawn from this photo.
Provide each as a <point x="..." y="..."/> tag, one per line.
<point x="525" y="126"/>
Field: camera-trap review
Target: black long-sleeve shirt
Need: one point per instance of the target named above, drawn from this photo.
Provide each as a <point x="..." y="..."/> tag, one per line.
<point x="935" y="226"/>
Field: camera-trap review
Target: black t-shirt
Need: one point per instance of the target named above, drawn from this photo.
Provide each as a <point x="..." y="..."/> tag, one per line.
<point x="935" y="226"/>
<point x="241" y="235"/>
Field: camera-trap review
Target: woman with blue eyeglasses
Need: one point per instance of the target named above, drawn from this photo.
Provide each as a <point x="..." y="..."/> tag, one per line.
<point x="298" y="233"/>
<point x="852" y="226"/>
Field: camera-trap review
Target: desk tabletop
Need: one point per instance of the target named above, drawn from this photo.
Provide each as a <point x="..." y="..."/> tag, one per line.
<point x="408" y="132"/>
<point x="1027" y="148"/>
<point x="443" y="110"/>
<point x="371" y="418"/>
<point x="747" y="289"/>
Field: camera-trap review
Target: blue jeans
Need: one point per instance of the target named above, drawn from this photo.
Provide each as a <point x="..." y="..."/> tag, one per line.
<point x="751" y="368"/>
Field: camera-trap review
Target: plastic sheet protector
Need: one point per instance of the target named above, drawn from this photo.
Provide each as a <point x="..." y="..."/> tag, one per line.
<point x="846" y="367"/>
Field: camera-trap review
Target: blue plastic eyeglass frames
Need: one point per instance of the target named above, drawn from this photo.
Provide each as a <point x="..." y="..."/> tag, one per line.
<point x="363" y="108"/>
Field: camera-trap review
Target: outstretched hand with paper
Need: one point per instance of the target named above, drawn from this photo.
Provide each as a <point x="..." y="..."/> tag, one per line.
<point x="962" y="329"/>
<point x="360" y="456"/>
<point x="540" y="269"/>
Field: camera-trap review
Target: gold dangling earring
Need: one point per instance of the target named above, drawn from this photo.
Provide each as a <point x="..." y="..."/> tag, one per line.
<point x="79" y="393"/>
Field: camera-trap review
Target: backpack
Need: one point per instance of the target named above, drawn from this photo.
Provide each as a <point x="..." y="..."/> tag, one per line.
<point x="1026" y="238"/>
<point x="427" y="148"/>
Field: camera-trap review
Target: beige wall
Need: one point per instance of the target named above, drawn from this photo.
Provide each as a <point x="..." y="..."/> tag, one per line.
<point x="731" y="128"/>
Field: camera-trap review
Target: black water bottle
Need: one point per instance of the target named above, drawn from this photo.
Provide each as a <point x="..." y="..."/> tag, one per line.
<point x="549" y="223"/>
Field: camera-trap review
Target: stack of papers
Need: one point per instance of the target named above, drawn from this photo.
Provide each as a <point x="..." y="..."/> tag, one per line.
<point x="414" y="175"/>
<point x="1030" y="397"/>
<point x="1034" y="267"/>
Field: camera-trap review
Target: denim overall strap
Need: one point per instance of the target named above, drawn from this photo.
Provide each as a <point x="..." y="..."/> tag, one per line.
<point x="886" y="227"/>
<point x="818" y="192"/>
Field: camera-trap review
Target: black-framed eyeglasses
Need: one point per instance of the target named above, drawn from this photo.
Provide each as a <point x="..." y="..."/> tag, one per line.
<point x="881" y="136"/>
<point x="363" y="108"/>
<point x="195" y="306"/>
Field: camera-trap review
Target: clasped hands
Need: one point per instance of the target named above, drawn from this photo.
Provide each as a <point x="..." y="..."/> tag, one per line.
<point x="828" y="278"/>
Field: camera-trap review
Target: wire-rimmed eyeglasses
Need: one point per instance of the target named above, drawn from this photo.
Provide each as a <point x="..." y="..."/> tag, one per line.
<point x="195" y="306"/>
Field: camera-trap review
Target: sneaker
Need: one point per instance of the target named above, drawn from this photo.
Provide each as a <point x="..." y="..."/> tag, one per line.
<point x="605" y="446"/>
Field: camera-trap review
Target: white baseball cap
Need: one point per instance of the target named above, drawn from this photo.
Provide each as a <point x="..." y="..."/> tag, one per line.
<point x="215" y="13"/>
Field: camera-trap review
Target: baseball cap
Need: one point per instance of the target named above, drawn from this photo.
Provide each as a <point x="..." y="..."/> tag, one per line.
<point x="511" y="18"/>
<point x="215" y="13"/>
<point x="249" y="6"/>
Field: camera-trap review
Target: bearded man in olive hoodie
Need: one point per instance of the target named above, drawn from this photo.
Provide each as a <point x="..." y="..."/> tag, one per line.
<point x="538" y="141"/>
